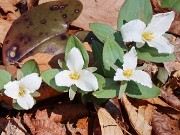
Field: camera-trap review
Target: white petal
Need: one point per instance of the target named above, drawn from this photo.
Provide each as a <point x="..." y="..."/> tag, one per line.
<point x="26" y="101"/>
<point x="12" y="89"/>
<point x="132" y="31"/>
<point x="119" y="75"/>
<point x="63" y="79"/>
<point x="72" y="94"/>
<point x="160" y="23"/>
<point x="31" y="82"/>
<point x="130" y="60"/>
<point x="161" y="44"/>
<point x="75" y="60"/>
<point x="142" y="78"/>
<point x="87" y="81"/>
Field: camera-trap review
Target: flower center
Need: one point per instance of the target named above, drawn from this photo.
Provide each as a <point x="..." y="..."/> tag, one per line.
<point x="74" y="76"/>
<point x="22" y="92"/>
<point x="147" y="36"/>
<point x="128" y="73"/>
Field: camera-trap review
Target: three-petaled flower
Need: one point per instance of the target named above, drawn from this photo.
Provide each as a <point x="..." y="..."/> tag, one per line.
<point x="129" y="71"/>
<point x="21" y="90"/>
<point x="76" y="75"/>
<point x="137" y="31"/>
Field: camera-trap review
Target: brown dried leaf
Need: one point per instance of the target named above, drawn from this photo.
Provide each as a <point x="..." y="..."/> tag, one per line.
<point x="160" y="125"/>
<point x="43" y="125"/>
<point x="11" y="126"/>
<point x="139" y="120"/>
<point x="113" y="107"/>
<point x="81" y="127"/>
<point x="42" y="60"/>
<point x="171" y="99"/>
<point x="171" y="115"/>
<point x="8" y="5"/>
<point x="4" y="27"/>
<point x="69" y="111"/>
<point x="98" y="11"/>
<point x="177" y="74"/>
<point x="108" y="124"/>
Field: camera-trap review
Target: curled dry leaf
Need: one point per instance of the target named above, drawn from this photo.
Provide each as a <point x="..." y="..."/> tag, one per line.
<point x="113" y="107"/>
<point x="171" y="99"/>
<point x="108" y="124"/>
<point x="81" y="127"/>
<point x="160" y="125"/>
<point x="43" y="124"/>
<point x="11" y="126"/>
<point x="139" y="120"/>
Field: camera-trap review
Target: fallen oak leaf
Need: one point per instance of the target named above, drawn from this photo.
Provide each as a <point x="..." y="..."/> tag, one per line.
<point x="113" y="107"/>
<point x="10" y="126"/>
<point x="171" y="99"/>
<point x="42" y="124"/>
<point x="98" y="11"/>
<point x="160" y="125"/>
<point x="139" y="120"/>
<point x="81" y="127"/>
<point x="108" y="124"/>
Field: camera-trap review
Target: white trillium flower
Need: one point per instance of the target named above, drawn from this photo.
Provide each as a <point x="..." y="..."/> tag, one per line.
<point x="137" y="31"/>
<point x="20" y="90"/>
<point x="76" y="75"/>
<point x="129" y="71"/>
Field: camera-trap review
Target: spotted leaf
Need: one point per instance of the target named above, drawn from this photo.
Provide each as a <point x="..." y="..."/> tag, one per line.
<point x="31" y="32"/>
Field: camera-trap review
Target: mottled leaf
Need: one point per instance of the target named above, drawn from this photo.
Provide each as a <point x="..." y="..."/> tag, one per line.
<point x="37" y="26"/>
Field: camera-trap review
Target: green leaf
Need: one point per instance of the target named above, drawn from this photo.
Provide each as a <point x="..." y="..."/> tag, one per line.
<point x="73" y="41"/>
<point x="30" y="67"/>
<point x="151" y="54"/>
<point x="162" y="74"/>
<point x="110" y="90"/>
<point x="48" y="77"/>
<point x="62" y="64"/>
<point x="139" y="91"/>
<point x="113" y="53"/>
<point x="5" y="77"/>
<point x="174" y="4"/>
<point x="97" y="50"/>
<point x="101" y="80"/>
<point x="135" y="9"/>
<point x="103" y="31"/>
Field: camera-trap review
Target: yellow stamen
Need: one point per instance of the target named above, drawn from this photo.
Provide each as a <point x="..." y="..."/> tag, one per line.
<point x="147" y="36"/>
<point x="74" y="76"/>
<point x="128" y="73"/>
<point x="21" y="92"/>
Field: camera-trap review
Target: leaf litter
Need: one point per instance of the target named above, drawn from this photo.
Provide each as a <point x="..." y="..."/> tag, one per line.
<point x="158" y="116"/>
